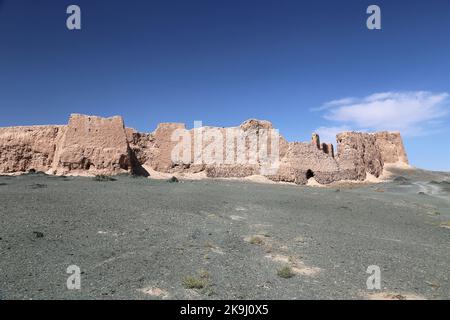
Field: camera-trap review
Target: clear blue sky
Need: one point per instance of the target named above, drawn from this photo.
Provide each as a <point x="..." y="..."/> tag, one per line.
<point x="224" y="61"/>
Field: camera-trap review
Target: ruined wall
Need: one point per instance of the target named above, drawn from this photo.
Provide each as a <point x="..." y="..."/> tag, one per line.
<point x="141" y="148"/>
<point x="359" y="153"/>
<point x="156" y="150"/>
<point x="328" y="149"/>
<point x="87" y="144"/>
<point x="303" y="161"/>
<point x="94" y="145"/>
<point x="260" y="131"/>
<point x="391" y="147"/>
<point x="298" y="161"/>
<point x="28" y="148"/>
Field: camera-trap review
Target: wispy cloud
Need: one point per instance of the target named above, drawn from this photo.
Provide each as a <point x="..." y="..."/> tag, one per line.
<point x="412" y="113"/>
<point x="335" y="103"/>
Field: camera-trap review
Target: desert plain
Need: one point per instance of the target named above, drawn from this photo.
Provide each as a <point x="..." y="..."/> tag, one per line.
<point x="145" y="238"/>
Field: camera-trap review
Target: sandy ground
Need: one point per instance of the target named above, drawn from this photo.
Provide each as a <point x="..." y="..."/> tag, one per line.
<point x="138" y="238"/>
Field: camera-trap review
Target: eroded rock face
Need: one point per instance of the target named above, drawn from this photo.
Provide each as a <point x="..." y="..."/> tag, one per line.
<point x="93" y="145"/>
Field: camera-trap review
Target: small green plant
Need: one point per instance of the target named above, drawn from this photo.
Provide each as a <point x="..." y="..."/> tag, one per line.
<point x="190" y="282"/>
<point x="285" y="272"/>
<point x="256" y="240"/>
<point x="103" y="178"/>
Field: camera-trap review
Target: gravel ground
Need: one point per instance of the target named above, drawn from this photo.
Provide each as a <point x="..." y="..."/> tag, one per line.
<point x="138" y="238"/>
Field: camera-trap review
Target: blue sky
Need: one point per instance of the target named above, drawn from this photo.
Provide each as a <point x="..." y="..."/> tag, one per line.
<point x="305" y="65"/>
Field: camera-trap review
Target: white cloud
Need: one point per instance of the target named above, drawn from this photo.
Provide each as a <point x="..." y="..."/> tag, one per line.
<point x="411" y="113"/>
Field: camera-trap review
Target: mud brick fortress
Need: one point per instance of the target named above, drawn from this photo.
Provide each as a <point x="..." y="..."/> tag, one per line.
<point x="90" y="145"/>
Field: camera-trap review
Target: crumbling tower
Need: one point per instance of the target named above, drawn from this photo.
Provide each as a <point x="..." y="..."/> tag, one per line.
<point x="328" y="149"/>
<point x="315" y="140"/>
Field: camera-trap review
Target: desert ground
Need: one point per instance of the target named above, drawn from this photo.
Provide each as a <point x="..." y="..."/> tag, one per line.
<point x="140" y="238"/>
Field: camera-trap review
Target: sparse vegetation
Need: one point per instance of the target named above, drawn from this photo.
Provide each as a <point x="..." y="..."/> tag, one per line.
<point x="38" y="234"/>
<point x="210" y="245"/>
<point x="401" y="180"/>
<point x="173" y="180"/>
<point x="199" y="282"/>
<point x="285" y="272"/>
<point x="433" y="284"/>
<point x="38" y="186"/>
<point x="446" y="224"/>
<point x="256" y="240"/>
<point x="223" y="259"/>
<point x="190" y="282"/>
<point x="103" y="178"/>
<point x="204" y="274"/>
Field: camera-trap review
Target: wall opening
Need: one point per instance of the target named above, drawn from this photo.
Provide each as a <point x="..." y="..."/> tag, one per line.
<point x="309" y="174"/>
